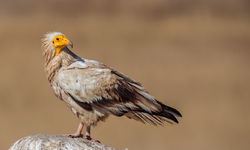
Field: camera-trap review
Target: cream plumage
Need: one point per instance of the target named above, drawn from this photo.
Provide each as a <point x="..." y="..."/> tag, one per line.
<point x="93" y="91"/>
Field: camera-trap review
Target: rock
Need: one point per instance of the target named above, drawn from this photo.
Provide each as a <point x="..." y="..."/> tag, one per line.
<point x="56" y="142"/>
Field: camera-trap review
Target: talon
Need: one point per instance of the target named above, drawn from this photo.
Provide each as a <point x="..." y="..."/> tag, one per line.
<point x="88" y="137"/>
<point x="75" y="135"/>
<point x="98" y="141"/>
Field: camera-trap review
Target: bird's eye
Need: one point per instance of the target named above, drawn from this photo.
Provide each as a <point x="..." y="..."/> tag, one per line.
<point x="57" y="39"/>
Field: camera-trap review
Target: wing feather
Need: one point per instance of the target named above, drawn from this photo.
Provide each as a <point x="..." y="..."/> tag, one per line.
<point x="93" y="84"/>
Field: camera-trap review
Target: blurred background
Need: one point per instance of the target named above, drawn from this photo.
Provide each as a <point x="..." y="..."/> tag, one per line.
<point x="191" y="55"/>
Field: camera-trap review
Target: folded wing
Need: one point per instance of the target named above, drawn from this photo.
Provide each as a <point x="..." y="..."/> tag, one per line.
<point x="93" y="85"/>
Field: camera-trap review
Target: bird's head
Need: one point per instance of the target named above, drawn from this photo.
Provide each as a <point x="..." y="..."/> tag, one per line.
<point x="56" y="40"/>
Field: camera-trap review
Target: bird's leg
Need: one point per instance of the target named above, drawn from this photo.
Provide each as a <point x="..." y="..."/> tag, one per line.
<point x="78" y="132"/>
<point x="88" y="132"/>
<point x="88" y="135"/>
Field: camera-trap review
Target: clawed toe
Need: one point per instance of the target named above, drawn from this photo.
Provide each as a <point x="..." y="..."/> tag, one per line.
<point x="74" y="135"/>
<point x="89" y="138"/>
<point x="97" y="141"/>
<point x="79" y="134"/>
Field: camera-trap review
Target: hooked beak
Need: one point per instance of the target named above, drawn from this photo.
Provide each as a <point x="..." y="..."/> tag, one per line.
<point x="70" y="44"/>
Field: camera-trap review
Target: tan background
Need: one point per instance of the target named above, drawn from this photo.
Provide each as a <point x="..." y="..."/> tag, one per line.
<point x="191" y="55"/>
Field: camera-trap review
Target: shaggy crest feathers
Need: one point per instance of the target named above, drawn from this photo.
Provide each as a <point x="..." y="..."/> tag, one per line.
<point x="47" y="46"/>
<point x="50" y="35"/>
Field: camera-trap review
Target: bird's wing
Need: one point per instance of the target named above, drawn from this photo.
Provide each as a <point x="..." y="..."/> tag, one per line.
<point x="93" y="84"/>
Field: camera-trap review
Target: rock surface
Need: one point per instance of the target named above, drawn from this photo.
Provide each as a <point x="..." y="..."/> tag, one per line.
<point x="56" y="142"/>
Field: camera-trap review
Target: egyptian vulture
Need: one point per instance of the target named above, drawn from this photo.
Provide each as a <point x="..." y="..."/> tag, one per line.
<point x="93" y="90"/>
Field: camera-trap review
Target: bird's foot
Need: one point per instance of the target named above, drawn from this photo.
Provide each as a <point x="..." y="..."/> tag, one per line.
<point x="89" y="138"/>
<point x="75" y="135"/>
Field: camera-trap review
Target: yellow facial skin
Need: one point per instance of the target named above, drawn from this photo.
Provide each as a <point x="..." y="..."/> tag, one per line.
<point x="59" y="42"/>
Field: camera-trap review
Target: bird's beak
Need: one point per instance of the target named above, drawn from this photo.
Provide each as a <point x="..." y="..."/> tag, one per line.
<point x="70" y="44"/>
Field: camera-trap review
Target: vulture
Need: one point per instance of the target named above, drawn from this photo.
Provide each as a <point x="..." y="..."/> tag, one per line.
<point x="93" y="90"/>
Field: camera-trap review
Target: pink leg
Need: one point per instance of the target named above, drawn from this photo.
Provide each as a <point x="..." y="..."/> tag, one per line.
<point x="88" y="135"/>
<point x="87" y="130"/>
<point x="78" y="132"/>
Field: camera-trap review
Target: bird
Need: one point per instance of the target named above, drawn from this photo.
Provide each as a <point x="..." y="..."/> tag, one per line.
<point x="93" y="91"/>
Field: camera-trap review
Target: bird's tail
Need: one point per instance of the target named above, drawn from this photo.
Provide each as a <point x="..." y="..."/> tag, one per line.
<point x="167" y="114"/>
<point x="152" y="111"/>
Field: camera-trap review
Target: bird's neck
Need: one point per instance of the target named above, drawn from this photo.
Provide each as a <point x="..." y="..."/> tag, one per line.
<point x="58" y="62"/>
